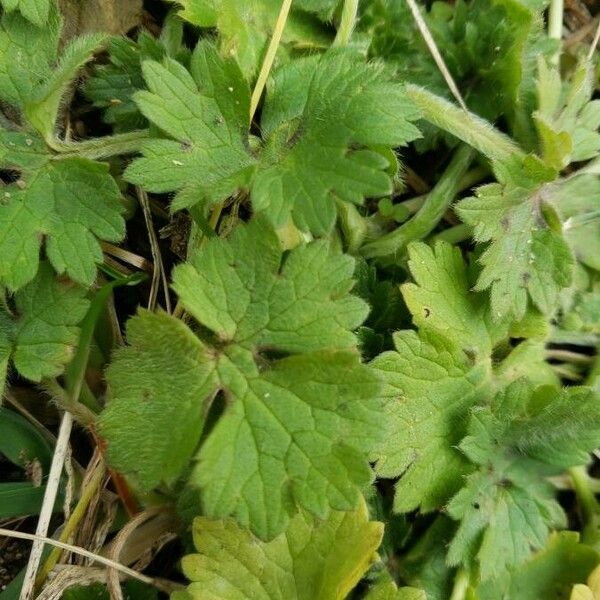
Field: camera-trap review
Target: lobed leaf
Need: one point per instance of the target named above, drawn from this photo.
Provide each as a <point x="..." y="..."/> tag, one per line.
<point x="73" y="202"/>
<point x="527" y="256"/>
<point x="521" y="438"/>
<point x="35" y="11"/>
<point x="311" y="560"/>
<point x="317" y="151"/>
<point x="41" y="336"/>
<point x="296" y="430"/>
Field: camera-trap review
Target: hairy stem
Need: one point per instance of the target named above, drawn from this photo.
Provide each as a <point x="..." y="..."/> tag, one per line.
<point x="588" y="506"/>
<point x="455" y="235"/>
<point x="347" y="23"/>
<point x="471" y="178"/>
<point x="466" y="126"/>
<point x="437" y="203"/>
<point x="104" y="147"/>
<point x="461" y="585"/>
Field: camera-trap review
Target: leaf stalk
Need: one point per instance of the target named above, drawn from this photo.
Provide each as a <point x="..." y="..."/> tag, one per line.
<point x="424" y="221"/>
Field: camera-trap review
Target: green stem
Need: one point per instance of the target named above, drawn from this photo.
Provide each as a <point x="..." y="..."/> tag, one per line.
<point x="75" y="372"/>
<point x="347" y="23"/>
<point x="555" y="24"/>
<point x="455" y="235"/>
<point x="593" y="377"/>
<point x="466" y="126"/>
<point x="588" y="505"/>
<point x="80" y="411"/>
<point x="430" y="214"/>
<point x="104" y="147"/>
<point x="470" y="179"/>
<point x="461" y="585"/>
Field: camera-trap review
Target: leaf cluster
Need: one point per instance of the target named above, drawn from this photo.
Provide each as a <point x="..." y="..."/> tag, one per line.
<point x="337" y="389"/>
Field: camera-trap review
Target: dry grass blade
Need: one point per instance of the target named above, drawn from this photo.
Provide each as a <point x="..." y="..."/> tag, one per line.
<point x="58" y="461"/>
<point x="594" y="43"/>
<point x="157" y="583"/>
<point x="128" y="257"/>
<point x="145" y="539"/>
<point x="68" y="577"/>
<point x="101" y="509"/>
<point x="114" y="586"/>
<point x="89" y="490"/>
<point x="437" y="57"/>
<point x="158" y="272"/>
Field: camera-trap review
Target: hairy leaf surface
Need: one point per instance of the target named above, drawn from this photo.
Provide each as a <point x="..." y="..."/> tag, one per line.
<point x="318" y="152"/>
<point x="527" y="256"/>
<point x="70" y="203"/>
<point x="35" y="11"/>
<point x="41" y="335"/>
<point x="301" y="412"/>
<point x="310" y="560"/>
<point x="245" y="28"/>
<point x="507" y="508"/>
<point x="437" y="375"/>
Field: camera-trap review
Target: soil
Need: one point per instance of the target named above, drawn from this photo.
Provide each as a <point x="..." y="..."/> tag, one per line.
<point x="13" y="557"/>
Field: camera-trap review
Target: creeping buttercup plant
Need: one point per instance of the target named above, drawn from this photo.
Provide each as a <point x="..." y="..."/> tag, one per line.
<point x="353" y="349"/>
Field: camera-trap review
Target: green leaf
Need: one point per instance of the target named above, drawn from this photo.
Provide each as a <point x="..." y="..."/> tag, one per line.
<point x="27" y="54"/>
<point x="432" y="379"/>
<point x="507" y="508"/>
<point x="349" y="105"/>
<point x="489" y="46"/>
<point x="296" y="435"/>
<point x="591" y="591"/>
<point x="424" y="565"/>
<point x="318" y="152"/>
<point x="43" y="106"/>
<point x="21" y="442"/>
<point x="430" y="386"/>
<point x="389" y="591"/>
<point x="527" y="257"/>
<point x="207" y="112"/>
<point x="20" y="499"/>
<point x="311" y="560"/>
<point x="243" y="291"/>
<point x="296" y="431"/>
<point x="582" y="311"/>
<point x="71" y="201"/>
<point x="440" y="300"/>
<point x="578" y="206"/>
<point x="550" y="573"/>
<point x="437" y="375"/>
<point x="32" y="78"/>
<point x="112" y="86"/>
<point x="567" y="122"/>
<point x="35" y="11"/>
<point x="388" y="311"/>
<point x="246" y="28"/>
<point x="162" y="378"/>
<point x="40" y="337"/>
